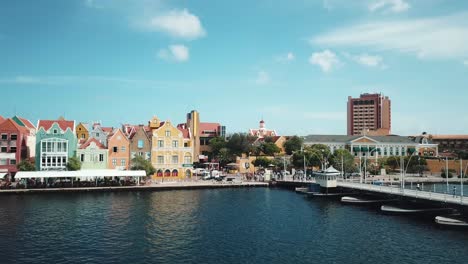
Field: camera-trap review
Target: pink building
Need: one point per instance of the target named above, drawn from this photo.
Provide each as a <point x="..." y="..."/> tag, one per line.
<point x="13" y="148"/>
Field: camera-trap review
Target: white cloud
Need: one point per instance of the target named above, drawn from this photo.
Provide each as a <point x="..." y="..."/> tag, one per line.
<point x="286" y="57"/>
<point x="396" y="6"/>
<point x="178" y="53"/>
<point x="178" y="23"/>
<point x="367" y="60"/>
<point x="441" y="37"/>
<point x="262" y="78"/>
<point x="326" y="59"/>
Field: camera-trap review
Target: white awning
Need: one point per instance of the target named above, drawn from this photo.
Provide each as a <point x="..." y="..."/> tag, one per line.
<point x="79" y="174"/>
<point x="2" y="174"/>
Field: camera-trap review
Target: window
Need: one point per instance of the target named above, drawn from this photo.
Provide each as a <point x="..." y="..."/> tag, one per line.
<point x="55" y="131"/>
<point x="101" y="157"/>
<point x="140" y="143"/>
<point x="168" y="133"/>
<point x="160" y="159"/>
<point x="4" y="149"/>
<point x="82" y="157"/>
<point x="187" y="160"/>
<point x="140" y="154"/>
<point x="12" y="162"/>
<point x="115" y="149"/>
<point x="114" y="162"/>
<point x="175" y="159"/>
<point x="12" y="149"/>
<point x="161" y="143"/>
<point x="186" y="144"/>
<point x="97" y="134"/>
<point x="175" y="143"/>
<point x="83" y="135"/>
<point x="13" y="137"/>
<point x="3" y="162"/>
<point x="4" y="136"/>
<point x="123" y="148"/>
<point x="122" y="162"/>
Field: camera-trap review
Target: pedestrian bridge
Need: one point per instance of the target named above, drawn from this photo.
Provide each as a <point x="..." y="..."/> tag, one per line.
<point x="397" y="191"/>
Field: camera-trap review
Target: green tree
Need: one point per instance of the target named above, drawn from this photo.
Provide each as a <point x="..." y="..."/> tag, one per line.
<point x="73" y="164"/>
<point x="343" y="155"/>
<point x="269" y="148"/>
<point x="293" y="144"/>
<point x="216" y="145"/>
<point x="224" y="157"/>
<point x="261" y="162"/>
<point x="393" y="162"/>
<point x="240" y="143"/>
<point x="26" y="165"/>
<point x="140" y="163"/>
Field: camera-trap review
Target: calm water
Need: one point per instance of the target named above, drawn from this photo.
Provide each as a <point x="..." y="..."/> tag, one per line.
<point x="214" y="226"/>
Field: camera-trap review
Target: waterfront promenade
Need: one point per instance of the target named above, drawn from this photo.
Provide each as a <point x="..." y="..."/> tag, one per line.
<point x="160" y="186"/>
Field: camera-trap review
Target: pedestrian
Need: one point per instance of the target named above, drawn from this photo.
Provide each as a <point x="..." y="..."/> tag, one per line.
<point x="418" y="187"/>
<point x="454" y="191"/>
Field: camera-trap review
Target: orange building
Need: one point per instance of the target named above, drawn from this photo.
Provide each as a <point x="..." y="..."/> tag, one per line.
<point x="119" y="150"/>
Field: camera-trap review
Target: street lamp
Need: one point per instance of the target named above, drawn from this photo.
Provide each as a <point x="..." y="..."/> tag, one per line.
<point x="405" y="169"/>
<point x="365" y="162"/>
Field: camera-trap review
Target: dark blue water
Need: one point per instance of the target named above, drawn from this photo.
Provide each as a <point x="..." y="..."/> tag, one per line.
<point x="214" y="226"/>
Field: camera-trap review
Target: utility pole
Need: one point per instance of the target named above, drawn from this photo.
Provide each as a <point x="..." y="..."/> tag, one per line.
<point x="446" y="173"/>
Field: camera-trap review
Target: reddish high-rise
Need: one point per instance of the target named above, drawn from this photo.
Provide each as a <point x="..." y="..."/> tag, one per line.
<point x="370" y="113"/>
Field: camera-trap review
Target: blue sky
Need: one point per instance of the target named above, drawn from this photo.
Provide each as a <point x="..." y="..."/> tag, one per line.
<point x="293" y="62"/>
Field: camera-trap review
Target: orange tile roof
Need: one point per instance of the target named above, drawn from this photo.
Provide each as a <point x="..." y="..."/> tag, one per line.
<point x="1" y="119"/>
<point x="87" y="143"/>
<point x="10" y="124"/>
<point x="63" y="124"/>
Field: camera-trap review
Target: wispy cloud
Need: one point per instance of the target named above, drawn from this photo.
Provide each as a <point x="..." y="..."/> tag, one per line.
<point x="177" y="53"/>
<point x="177" y="23"/>
<point x="421" y="37"/>
<point x="326" y="60"/>
<point x="263" y="78"/>
<point x="367" y="60"/>
<point x="288" y="57"/>
<point x="395" y="6"/>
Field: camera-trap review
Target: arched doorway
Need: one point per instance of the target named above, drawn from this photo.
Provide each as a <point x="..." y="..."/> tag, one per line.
<point x="188" y="174"/>
<point x="175" y="173"/>
<point x="167" y="173"/>
<point x="159" y="173"/>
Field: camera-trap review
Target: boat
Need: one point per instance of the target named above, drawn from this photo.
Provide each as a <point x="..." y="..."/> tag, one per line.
<point x="302" y="189"/>
<point x="399" y="210"/>
<point x="354" y="200"/>
<point x="454" y="221"/>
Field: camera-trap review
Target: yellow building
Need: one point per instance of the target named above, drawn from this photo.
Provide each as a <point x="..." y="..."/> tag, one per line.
<point x="82" y="132"/>
<point x="171" y="150"/>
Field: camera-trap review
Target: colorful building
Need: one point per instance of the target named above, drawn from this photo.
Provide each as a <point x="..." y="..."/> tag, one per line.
<point x="82" y="132"/>
<point x="201" y="133"/>
<point x="93" y="155"/>
<point x="140" y="140"/>
<point x="172" y="150"/>
<point x="31" y="142"/>
<point x="56" y="143"/>
<point x="100" y="133"/>
<point x="262" y="131"/>
<point x="119" y="150"/>
<point x="13" y="148"/>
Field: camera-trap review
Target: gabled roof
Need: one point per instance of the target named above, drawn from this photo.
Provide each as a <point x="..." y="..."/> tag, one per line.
<point x="63" y="124"/>
<point x="116" y="131"/>
<point x="107" y="129"/>
<point x="185" y="132"/>
<point x="87" y="143"/>
<point x="10" y="124"/>
<point x="1" y="119"/>
<point x="85" y="125"/>
<point x="23" y="122"/>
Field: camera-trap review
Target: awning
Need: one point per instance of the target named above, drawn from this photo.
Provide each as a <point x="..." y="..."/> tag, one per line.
<point x="411" y="150"/>
<point x="79" y="174"/>
<point x="365" y="149"/>
<point x="356" y="149"/>
<point x="2" y="174"/>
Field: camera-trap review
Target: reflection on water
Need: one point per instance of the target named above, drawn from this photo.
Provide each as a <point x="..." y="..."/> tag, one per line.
<point x="214" y="226"/>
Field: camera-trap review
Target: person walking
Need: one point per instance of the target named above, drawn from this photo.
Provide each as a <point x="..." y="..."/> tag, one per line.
<point x="454" y="190"/>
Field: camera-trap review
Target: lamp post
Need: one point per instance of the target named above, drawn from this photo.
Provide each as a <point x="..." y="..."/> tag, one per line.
<point x="405" y="169"/>
<point x="365" y="162"/>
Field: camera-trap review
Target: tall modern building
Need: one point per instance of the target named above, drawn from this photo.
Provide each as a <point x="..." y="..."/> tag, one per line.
<point x="370" y="113"/>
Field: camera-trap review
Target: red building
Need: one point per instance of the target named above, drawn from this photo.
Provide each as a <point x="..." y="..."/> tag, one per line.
<point x="13" y="146"/>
